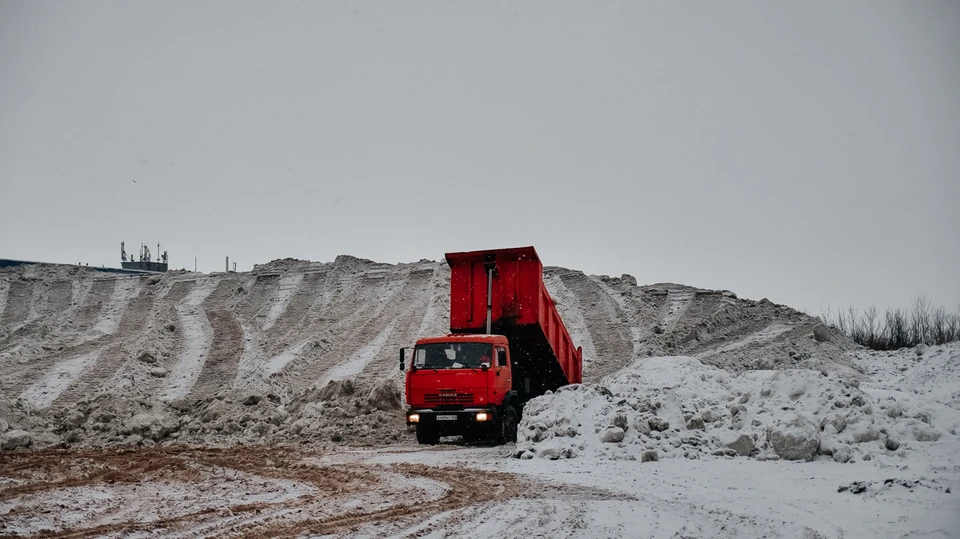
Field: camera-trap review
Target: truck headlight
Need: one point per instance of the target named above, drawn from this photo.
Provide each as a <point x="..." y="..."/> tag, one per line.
<point x="413" y="418"/>
<point x="482" y="416"/>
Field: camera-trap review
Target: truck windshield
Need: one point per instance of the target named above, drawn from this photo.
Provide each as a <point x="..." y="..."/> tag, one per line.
<point x="458" y="355"/>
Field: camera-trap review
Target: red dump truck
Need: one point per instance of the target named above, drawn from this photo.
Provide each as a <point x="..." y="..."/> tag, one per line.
<point x="506" y="346"/>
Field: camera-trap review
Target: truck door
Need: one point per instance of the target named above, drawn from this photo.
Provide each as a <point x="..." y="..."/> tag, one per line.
<point x="502" y="379"/>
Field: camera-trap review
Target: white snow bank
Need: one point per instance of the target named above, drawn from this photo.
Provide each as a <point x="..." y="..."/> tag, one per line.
<point x="679" y="407"/>
<point x="925" y="373"/>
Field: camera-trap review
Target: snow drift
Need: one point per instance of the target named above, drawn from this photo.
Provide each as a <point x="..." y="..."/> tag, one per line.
<point x="669" y="407"/>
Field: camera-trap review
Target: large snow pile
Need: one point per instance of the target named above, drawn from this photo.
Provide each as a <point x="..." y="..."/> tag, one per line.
<point x="666" y="407"/>
<point x="92" y="358"/>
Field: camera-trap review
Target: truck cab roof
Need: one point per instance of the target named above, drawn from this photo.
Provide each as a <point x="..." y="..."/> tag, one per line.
<point x="492" y="339"/>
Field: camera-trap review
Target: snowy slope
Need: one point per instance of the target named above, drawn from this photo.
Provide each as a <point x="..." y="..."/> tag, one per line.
<point x="74" y="340"/>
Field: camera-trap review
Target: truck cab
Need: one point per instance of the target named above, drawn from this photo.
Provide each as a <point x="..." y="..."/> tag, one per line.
<point x="462" y="385"/>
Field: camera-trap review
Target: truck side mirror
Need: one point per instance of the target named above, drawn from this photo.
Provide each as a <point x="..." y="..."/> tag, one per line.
<point x="501" y="357"/>
<point x="402" y="359"/>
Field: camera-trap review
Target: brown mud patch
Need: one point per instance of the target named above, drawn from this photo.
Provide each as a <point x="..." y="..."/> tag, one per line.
<point x="239" y="492"/>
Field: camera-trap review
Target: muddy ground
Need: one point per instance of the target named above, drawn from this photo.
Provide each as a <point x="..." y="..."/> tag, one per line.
<point x="241" y="491"/>
<point x="455" y="490"/>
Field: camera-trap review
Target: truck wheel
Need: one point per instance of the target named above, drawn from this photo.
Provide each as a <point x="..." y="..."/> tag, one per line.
<point x="507" y="431"/>
<point x="426" y="436"/>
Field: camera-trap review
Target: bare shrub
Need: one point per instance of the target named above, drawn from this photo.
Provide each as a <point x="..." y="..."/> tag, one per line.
<point x="897" y="328"/>
<point x="939" y="328"/>
<point x="920" y="321"/>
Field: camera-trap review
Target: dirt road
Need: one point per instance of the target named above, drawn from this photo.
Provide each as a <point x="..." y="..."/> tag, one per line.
<point x="242" y="491"/>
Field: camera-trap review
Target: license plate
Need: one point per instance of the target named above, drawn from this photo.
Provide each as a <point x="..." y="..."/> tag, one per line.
<point x="446" y="418"/>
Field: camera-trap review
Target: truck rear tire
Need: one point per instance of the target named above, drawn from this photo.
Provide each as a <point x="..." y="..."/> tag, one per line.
<point x="507" y="427"/>
<point x="426" y="435"/>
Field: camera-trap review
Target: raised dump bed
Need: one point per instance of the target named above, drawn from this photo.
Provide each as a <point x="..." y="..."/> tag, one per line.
<point x="520" y="309"/>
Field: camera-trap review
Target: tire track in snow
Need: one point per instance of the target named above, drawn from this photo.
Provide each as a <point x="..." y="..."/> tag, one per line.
<point x="59" y="299"/>
<point x="435" y="320"/>
<point x="627" y="316"/>
<point x="571" y="314"/>
<point x="359" y="360"/>
<point x="18" y="377"/>
<point x="125" y="288"/>
<point x="18" y="298"/>
<point x="333" y="295"/>
<point x="171" y="296"/>
<point x="355" y="325"/>
<point x="4" y="289"/>
<point x="397" y="303"/>
<point x="179" y="290"/>
<point x="81" y="289"/>
<point x="303" y="310"/>
<point x="300" y="311"/>
<point x="277" y="363"/>
<point x="48" y="312"/>
<point x="48" y="389"/>
<point x="88" y="312"/>
<point x="196" y="341"/>
<point x="220" y="368"/>
<point x="413" y="300"/>
<point x="763" y="336"/>
<point x="249" y="366"/>
<point x="108" y="365"/>
<point x="605" y="323"/>
<point x="678" y="301"/>
<point x="288" y="287"/>
<point x="702" y="306"/>
<point x="251" y="308"/>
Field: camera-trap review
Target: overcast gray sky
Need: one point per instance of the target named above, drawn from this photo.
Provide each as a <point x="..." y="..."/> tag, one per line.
<point x="808" y="153"/>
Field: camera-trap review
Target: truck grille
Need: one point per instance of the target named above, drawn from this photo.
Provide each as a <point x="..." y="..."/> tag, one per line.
<point x="448" y="398"/>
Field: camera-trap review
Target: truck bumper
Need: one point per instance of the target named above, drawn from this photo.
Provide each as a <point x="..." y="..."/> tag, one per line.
<point x="454" y="421"/>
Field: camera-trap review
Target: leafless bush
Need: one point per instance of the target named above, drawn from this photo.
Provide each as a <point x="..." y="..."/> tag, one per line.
<point x="897" y="328"/>
<point x="920" y="320"/>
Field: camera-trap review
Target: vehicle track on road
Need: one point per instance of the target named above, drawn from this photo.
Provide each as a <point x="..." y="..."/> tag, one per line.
<point x="338" y="498"/>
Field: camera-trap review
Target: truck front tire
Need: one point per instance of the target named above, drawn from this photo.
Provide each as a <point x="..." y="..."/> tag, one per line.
<point x="426" y="435"/>
<point x="507" y="427"/>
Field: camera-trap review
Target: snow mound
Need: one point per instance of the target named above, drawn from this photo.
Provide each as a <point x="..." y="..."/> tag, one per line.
<point x="679" y="407"/>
